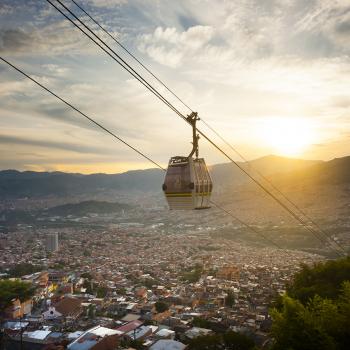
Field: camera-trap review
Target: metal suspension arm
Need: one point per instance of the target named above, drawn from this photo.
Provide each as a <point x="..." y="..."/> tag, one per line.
<point x="192" y="119"/>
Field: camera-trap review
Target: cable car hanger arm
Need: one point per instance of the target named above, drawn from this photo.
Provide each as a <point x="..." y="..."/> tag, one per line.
<point x="192" y="120"/>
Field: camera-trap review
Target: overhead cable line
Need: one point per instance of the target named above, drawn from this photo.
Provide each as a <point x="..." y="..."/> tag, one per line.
<point x="209" y="126"/>
<point x="273" y="186"/>
<point x="131" y="54"/>
<point x="205" y="123"/>
<point x="99" y="125"/>
<point x="81" y="113"/>
<point x="132" y="71"/>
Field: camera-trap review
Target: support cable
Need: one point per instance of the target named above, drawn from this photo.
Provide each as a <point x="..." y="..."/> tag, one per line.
<point x="126" y="66"/>
<point x="205" y="123"/>
<point x="99" y="125"/>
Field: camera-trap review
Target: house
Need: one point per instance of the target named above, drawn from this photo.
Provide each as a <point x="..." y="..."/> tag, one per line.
<point x="139" y="333"/>
<point x="69" y="307"/>
<point x="130" y="326"/>
<point x="131" y="317"/>
<point x="166" y="344"/>
<point x="165" y="334"/>
<point x="18" y="309"/>
<point x="66" y="308"/>
<point x="195" y="332"/>
<point x="52" y="314"/>
<point x="97" y="338"/>
<point x="35" y="340"/>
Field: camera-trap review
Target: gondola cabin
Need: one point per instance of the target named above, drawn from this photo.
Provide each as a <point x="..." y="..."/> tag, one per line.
<point x="187" y="184"/>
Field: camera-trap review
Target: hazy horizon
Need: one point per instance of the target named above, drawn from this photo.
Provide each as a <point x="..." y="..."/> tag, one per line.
<point x="153" y="167"/>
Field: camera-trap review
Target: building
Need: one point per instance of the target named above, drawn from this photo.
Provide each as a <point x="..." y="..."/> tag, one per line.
<point x="97" y="338"/>
<point x="65" y="308"/>
<point x="166" y="344"/>
<point x="230" y="273"/>
<point x="18" y="309"/>
<point x="52" y="242"/>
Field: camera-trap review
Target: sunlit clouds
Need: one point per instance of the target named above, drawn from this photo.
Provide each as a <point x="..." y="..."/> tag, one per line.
<point x="270" y="77"/>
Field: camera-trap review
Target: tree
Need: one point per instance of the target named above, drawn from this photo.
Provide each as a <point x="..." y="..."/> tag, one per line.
<point x="230" y="299"/>
<point x="229" y="340"/>
<point x="10" y="290"/>
<point x="321" y="324"/>
<point x="201" y="322"/>
<point x="237" y="341"/>
<point x="323" y="279"/>
<point x="101" y="292"/>
<point x="22" y="269"/>
<point x="206" y="342"/>
<point x="161" y="306"/>
<point x="86" y="275"/>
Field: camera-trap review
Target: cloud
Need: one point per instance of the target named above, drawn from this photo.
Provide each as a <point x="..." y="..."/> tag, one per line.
<point x="170" y="47"/>
<point x="78" y="148"/>
<point x="5" y="9"/>
<point x="106" y="3"/>
<point x="56" y="70"/>
<point x="58" y="38"/>
<point x="235" y="63"/>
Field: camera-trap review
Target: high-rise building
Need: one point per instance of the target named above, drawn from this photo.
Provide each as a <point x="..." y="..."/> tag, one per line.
<point x="52" y="242"/>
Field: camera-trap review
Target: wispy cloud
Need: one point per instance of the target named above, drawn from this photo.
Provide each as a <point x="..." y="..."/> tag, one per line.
<point x="237" y="62"/>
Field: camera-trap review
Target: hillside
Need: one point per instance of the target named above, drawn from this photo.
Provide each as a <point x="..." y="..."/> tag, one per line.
<point x="17" y="216"/>
<point x="15" y="184"/>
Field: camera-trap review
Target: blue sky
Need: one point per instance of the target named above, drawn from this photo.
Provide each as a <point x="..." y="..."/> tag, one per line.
<point x="270" y="76"/>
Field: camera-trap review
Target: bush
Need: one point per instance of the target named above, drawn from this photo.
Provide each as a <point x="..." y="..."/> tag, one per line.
<point x="161" y="306"/>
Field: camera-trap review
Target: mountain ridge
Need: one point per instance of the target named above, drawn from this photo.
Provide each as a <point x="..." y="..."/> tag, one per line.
<point x="17" y="184"/>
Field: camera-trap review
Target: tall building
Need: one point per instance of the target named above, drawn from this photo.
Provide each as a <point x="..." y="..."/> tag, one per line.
<point x="52" y="242"/>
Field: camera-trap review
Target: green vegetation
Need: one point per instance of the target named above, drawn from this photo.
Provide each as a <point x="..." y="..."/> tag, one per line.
<point x="229" y="340"/>
<point x="101" y="291"/>
<point x="230" y="299"/>
<point x="24" y="269"/>
<point x="87" y="207"/>
<point x="323" y="279"/>
<point x="10" y="290"/>
<point x="193" y="274"/>
<point x="161" y="306"/>
<point x="132" y="344"/>
<point x="201" y="322"/>
<point x="315" y="312"/>
<point x="86" y="275"/>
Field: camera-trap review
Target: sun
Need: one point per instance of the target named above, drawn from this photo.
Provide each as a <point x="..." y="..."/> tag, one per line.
<point x="287" y="136"/>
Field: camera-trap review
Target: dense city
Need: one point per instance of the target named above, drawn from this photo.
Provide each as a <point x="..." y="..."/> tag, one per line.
<point x="129" y="285"/>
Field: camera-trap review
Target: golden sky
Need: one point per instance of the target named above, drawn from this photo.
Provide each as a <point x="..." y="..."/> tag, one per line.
<point x="271" y="78"/>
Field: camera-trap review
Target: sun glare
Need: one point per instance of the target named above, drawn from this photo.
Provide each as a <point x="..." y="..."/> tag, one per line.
<point x="287" y="136"/>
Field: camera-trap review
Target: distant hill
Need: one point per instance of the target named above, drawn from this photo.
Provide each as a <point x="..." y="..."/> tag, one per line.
<point x="84" y="208"/>
<point x="87" y="207"/>
<point x="15" y="184"/>
<point x="333" y="172"/>
<point x="229" y="174"/>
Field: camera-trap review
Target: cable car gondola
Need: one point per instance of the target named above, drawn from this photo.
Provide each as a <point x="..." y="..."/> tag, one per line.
<point x="187" y="184"/>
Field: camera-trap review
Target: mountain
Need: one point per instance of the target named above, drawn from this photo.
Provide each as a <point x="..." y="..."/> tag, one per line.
<point x="87" y="207"/>
<point x="17" y="216"/>
<point x="230" y="174"/>
<point x="333" y="172"/>
<point x="15" y="184"/>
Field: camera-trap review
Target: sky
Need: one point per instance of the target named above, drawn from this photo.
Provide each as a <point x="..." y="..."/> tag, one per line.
<point x="272" y="77"/>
